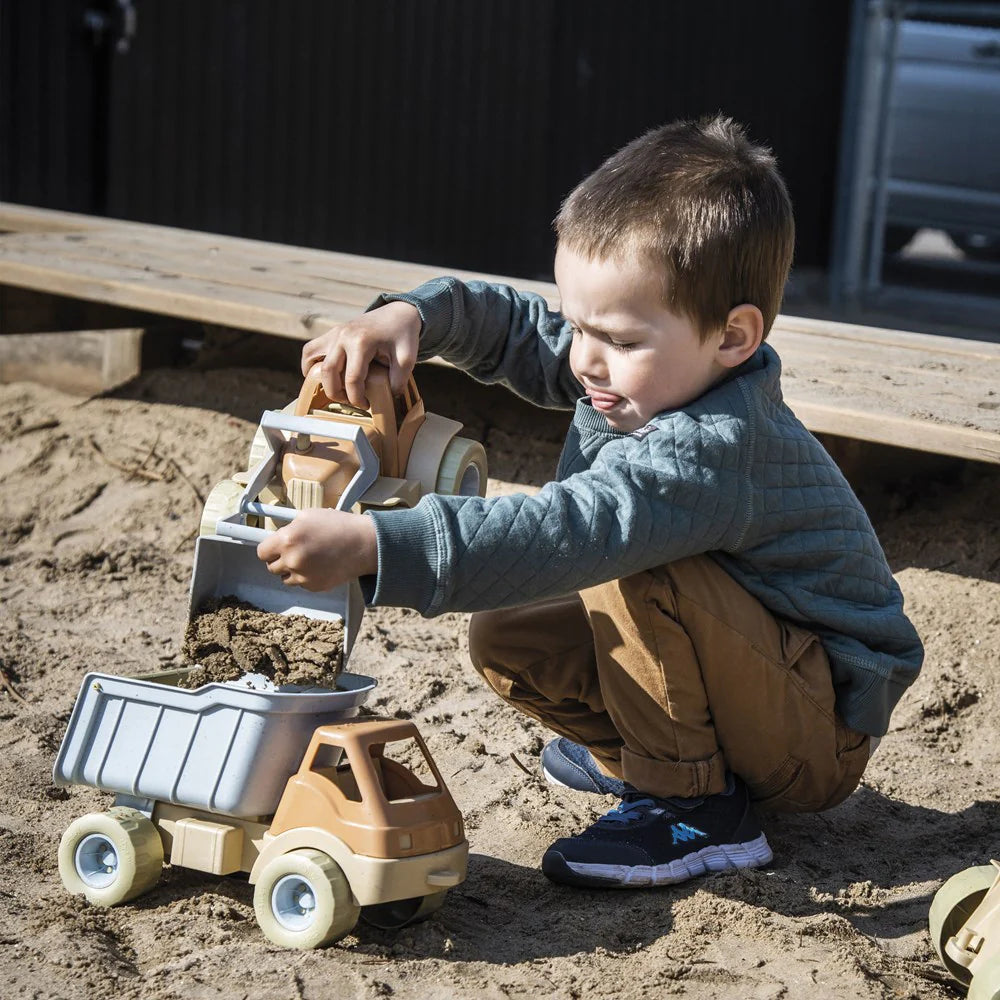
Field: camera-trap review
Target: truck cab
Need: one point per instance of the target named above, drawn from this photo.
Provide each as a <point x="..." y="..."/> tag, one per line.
<point x="372" y="784"/>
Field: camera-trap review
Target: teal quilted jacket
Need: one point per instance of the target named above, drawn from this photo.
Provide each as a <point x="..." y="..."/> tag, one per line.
<point x="733" y="474"/>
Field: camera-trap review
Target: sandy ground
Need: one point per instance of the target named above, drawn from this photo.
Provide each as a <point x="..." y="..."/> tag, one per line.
<point x="100" y="503"/>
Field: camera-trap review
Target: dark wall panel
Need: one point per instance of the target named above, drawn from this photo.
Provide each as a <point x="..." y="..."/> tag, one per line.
<point x="396" y="129"/>
<point x="442" y="131"/>
<point x="51" y="111"/>
<point x="778" y="67"/>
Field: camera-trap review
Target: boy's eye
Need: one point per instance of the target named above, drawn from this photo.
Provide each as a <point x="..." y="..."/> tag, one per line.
<point x="617" y="345"/>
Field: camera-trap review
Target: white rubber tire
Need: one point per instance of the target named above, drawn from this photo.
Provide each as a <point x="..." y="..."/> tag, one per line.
<point x="222" y="500"/>
<point x="303" y="900"/>
<point x="986" y="982"/>
<point x="111" y="857"/>
<point x="952" y="905"/>
<point x="462" y="471"/>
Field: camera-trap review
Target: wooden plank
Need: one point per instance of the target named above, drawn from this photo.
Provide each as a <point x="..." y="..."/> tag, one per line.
<point x="82" y="361"/>
<point x="356" y="283"/>
<point x="153" y="291"/>
<point x="388" y="274"/>
<point x="830" y="330"/>
<point x="914" y="390"/>
<point x="73" y="252"/>
<point x="902" y="432"/>
<point x="27" y="219"/>
<point x="929" y="388"/>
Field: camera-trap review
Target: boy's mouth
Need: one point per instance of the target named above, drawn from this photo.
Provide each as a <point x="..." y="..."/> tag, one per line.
<point x="603" y="401"/>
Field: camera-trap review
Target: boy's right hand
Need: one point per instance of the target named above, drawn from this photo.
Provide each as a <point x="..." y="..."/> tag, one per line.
<point x="388" y="335"/>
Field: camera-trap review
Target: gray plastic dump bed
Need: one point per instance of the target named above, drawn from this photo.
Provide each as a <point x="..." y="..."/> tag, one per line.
<point x="225" y="749"/>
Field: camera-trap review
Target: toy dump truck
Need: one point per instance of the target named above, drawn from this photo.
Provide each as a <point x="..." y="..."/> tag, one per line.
<point x="965" y="929"/>
<point x="332" y="816"/>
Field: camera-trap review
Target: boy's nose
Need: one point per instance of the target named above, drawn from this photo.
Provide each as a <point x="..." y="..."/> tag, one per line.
<point x="589" y="357"/>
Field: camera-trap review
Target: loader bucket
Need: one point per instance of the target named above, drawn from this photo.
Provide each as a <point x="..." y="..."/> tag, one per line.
<point x="228" y="567"/>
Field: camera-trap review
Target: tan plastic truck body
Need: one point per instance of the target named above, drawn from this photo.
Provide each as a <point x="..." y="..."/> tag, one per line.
<point x="393" y="836"/>
<point x="316" y="471"/>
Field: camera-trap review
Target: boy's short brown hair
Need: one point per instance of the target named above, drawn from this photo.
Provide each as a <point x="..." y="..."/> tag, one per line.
<point x="702" y="202"/>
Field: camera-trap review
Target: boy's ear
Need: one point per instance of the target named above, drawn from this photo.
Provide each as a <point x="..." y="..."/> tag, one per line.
<point x="742" y="336"/>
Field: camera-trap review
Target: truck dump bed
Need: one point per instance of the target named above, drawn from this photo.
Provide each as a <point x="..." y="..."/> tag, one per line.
<point x="221" y="748"/>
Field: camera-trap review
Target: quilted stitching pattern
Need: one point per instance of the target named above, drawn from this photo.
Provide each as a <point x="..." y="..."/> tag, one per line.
<point x="734" y="474"/>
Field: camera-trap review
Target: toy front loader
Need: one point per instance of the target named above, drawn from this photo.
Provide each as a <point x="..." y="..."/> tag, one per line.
<point x="319" y="453"/>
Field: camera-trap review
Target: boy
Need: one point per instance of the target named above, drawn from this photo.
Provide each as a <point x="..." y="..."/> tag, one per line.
<point x="698" y="605"/>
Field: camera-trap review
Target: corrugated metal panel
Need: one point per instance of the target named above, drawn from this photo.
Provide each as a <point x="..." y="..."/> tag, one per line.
<point x="397" y="129"/>
<point x="49" y="76"/>
<point x="778" y="67"/>
<point x="442" y="131"/>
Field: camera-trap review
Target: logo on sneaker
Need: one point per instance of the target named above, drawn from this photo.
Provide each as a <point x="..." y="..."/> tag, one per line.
<point x="683" y="833"/>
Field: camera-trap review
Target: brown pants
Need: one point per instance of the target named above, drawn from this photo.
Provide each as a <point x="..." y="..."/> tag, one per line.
<point x="671" y="677"/>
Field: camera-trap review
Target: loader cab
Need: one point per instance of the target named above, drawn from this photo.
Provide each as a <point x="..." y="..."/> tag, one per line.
<point x="391" y="422"/>
<point x="373" y="784"/>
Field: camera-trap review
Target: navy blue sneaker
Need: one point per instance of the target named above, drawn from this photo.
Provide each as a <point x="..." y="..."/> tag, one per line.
<point x="646" y="841"/>
<point x="568" y="764"/>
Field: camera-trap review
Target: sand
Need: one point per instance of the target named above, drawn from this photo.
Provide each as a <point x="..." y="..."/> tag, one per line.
<point x="101" y="499"/>
<point x="227" y="639"/>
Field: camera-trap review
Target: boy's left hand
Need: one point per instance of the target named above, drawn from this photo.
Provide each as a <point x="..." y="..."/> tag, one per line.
<point x="322" y="549"/>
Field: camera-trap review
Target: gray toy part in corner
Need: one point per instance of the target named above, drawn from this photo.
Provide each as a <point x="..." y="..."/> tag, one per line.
<point x="219" y="748"/>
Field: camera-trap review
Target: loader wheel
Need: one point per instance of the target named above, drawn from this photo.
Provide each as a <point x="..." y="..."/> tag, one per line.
<point x="400" y="912"/>
<point x="223" y="500"/>
<point x="111" y="857"/>
<point x="986" y="982"/>
<point x="462" y="472"/>
<point x="952" y="905"/>
<point x="302" y="900"/>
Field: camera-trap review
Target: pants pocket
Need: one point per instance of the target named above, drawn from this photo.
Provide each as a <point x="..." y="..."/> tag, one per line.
<point x="792" y="787"/>
<point x="775" y="786"/>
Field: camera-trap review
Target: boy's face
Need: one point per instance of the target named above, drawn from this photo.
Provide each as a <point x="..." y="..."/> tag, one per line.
<point x="633" y="356"/>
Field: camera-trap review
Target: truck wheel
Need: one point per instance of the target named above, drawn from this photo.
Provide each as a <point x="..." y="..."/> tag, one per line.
<point x="986" y="982"/>
<point x="302" y="900"/>
<point x="111" y="857"/>
<point x="223" y="500"/>
<point x="462" y="472"/>
<point x="400" y="912"/>
<point x="952" y="905"/>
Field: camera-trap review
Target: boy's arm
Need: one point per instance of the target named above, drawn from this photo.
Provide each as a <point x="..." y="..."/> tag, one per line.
<point x="645" y="501"/>
<point x="498" y="335"/>
<point x="623" y="515"/>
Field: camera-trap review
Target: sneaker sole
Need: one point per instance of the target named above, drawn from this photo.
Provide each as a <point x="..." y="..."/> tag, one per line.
<point x="593" y="790"/>
<point x="553" y="780"/>
<point x="717" y="858"/>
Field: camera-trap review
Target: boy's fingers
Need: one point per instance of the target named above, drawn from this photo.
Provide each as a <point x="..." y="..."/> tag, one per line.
<point x="355" y="375"/>
<point x="401" y="364"/>
<point x="313" y="351"/>
<point x="270" y="551"/>
<point x="331" y="374"/>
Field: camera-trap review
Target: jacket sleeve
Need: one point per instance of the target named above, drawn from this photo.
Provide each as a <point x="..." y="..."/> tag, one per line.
<point x="497" y="335"/>
<point x="630" y="511"/>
